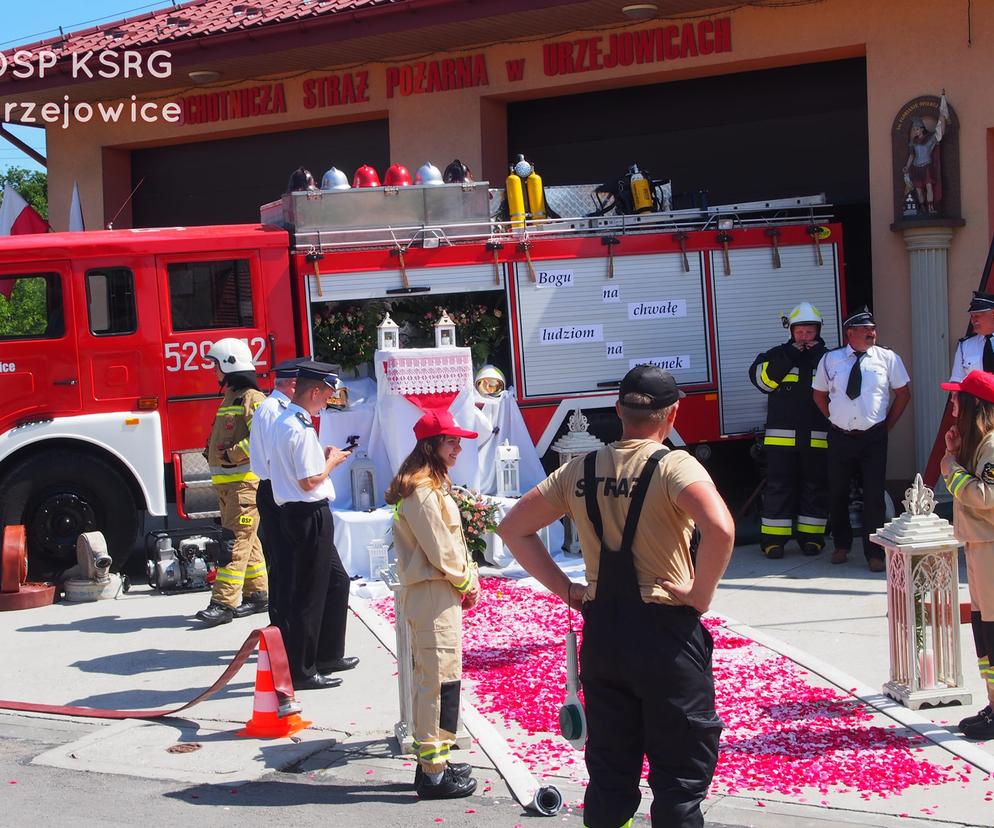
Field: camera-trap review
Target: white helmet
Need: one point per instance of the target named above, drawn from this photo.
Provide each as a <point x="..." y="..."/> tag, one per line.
<point x="490" y="381"/>
<point x="335" y="179"/>
<point x="804" y="314"/>
<point x="231" y="355"/>
<point x="428" y="173"/>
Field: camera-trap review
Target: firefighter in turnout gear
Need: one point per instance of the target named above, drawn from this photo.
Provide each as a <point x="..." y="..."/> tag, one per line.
<point x="796" y="496"/>
<point x="241" y="586"/>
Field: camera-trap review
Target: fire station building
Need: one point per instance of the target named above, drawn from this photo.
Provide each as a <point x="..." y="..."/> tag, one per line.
<point x="757" y="100"/>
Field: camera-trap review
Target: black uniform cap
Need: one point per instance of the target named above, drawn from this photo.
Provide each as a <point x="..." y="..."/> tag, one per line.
<point x="654" y="382"/>
<point x="862" y="318"/>
<point x="289" y="368"/>
<point x="318" y="371"/>
<point x="981" y="302"/>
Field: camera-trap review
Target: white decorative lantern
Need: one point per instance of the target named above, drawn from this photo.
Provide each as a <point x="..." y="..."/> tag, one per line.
<point x="508" y="459"/>
<point x="445" y="332"/>
<point x="577" y="441"/>
<point x="387" y="335"/>
<point x="379" y="557"/>
<point x="922" y="604"/>
<point x="363" y="474"/>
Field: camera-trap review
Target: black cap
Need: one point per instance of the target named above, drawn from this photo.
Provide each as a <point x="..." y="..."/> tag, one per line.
<point x="289" y="368"/>
<point x="318" y="371"/>
<point x="654" y="382"/>
<point x="981" y="302"/>
<point x="861" y="318"/>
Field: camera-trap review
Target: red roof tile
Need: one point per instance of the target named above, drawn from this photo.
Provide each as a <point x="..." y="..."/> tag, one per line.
<point x="197" y="19"/>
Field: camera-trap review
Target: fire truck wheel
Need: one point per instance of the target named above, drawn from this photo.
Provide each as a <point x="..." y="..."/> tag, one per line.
<point x="59" y="496"/>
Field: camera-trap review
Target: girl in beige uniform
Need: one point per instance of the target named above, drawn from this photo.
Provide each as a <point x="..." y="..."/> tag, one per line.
<point x="968" y="470"/>
<point x="439" y="580"/>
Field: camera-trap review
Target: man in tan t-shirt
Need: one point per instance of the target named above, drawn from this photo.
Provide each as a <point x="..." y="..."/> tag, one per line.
<point x="645" y="663"/>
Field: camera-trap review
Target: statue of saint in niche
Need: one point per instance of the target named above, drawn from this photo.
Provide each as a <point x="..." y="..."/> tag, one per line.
<point x="923" y="170"/>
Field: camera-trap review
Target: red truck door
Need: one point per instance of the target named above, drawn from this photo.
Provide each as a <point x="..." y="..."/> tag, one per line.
<point x="39" y="371"/>
<point x="118" y="331"/>
<point x="206" y="297"/>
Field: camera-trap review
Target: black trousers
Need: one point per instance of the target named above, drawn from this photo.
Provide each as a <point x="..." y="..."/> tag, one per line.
<point x="319" y="602"/>
<point x="648" y="690"/>
<point x="796" y="488"/>
<point x="848" y="452"/>
<point x="276" y="550"/>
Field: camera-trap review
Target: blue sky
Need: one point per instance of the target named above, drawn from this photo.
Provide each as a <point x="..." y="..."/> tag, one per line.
<point x="27" y="22"/>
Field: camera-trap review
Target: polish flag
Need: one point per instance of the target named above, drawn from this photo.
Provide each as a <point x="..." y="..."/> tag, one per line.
<point x="17" y="216"/>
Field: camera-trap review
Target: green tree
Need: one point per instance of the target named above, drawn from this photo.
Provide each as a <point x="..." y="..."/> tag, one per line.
<point x="31" y="184"/>
<point x="23" y="306"/>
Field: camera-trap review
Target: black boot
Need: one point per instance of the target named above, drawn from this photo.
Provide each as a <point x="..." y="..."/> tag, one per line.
<point x="251" y="604"/>
<point x="216" y="614"/>
<point x="450" y="786"/>
<point x="460" y="769"/>
<point x="982" y="728"/>
<point x="773" y="551"/>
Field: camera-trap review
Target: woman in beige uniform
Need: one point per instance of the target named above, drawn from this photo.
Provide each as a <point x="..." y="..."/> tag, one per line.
<point x="968" y="470"/>
<point x="439" y="580"/>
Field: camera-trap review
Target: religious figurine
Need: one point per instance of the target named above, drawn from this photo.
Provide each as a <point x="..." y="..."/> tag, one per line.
<point x="922" y="169"/>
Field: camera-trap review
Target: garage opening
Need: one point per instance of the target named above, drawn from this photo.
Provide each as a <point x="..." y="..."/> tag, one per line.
<point x="775" y="133"/>
<point x="225" y="181"/>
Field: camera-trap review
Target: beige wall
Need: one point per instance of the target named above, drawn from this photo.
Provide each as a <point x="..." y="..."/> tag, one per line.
<point x="912" y="48"/>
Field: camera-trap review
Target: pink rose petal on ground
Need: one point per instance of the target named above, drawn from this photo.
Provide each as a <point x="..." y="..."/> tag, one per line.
<point x="782" y="734"/>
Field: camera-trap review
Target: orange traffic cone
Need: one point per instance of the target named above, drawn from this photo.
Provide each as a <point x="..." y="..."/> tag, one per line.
<point x="267" y="721"/>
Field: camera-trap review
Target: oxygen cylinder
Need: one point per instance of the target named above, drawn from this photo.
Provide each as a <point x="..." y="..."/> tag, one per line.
<point x="536" y="196"/>
<point x="641" y="192"/>
<point x="515" y="201"/>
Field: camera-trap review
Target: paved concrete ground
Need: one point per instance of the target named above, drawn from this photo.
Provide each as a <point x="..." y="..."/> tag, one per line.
<point x="143" y="651"/>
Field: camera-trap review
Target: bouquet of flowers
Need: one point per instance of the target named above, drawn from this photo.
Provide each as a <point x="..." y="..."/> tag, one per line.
<point x="479" y="518"/>
<point x="345" y="333"/>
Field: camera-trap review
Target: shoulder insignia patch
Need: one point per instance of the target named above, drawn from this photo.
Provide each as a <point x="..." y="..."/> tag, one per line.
<point x="987" y="475"/>
<point x="304" y="421"/>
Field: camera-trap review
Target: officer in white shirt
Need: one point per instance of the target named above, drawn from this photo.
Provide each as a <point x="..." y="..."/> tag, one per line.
<point x="299" y="470"/>
<point x="275" y="546"/>
<point x="976" y="353"/>
<point x="852" y="387"/>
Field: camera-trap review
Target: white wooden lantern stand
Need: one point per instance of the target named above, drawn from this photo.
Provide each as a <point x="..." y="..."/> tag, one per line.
<point x="577" y="441"/>
<point x="403" y="729"/>
<point x="363" y="477"/>
<point x="445" y="332"/>
<point x="925" y="664"/>
<point x="508" y="478"/>
<point x="387" y="335"/>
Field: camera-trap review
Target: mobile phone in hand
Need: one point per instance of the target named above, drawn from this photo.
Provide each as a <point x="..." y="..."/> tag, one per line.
<point x="351" y="443"/>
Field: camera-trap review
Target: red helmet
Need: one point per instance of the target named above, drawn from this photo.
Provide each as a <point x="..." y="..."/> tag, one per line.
<point x="397" y="176"/>
<point x="366" y="176"/>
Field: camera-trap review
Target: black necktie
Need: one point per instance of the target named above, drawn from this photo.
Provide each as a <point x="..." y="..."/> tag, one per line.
<point x="988" y="354"/>
<point x="855" y="384"/>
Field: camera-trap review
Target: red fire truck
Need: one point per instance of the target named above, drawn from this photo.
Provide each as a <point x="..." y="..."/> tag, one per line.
<point x="106" y="396"/>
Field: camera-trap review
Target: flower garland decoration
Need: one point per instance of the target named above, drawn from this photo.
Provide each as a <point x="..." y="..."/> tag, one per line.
<point x="345" y="333"/>
<point x="479" y="519"/>
<point x="480" y="321"/>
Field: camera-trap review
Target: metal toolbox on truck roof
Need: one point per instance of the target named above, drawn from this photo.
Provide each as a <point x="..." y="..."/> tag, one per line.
<point x="369" y="207"/>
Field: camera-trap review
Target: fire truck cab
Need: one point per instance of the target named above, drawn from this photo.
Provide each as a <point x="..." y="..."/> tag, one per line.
<point x="102" y="371"/>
